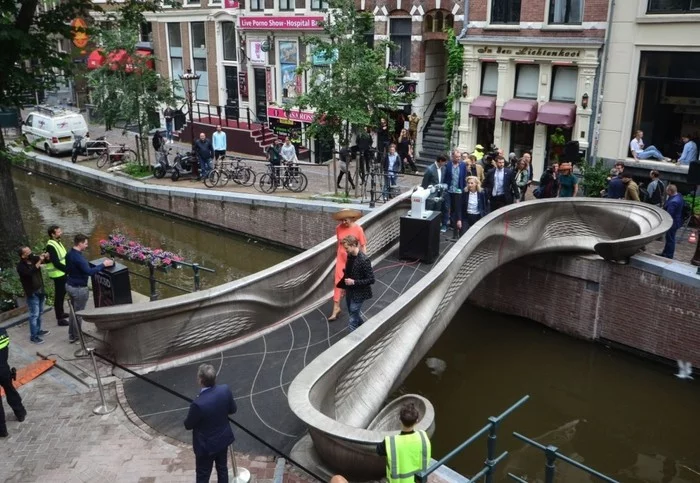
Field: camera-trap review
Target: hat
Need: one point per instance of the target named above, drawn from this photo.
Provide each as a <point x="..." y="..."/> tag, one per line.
<point x="479" y="147"/>
<point x="346" y="213"/>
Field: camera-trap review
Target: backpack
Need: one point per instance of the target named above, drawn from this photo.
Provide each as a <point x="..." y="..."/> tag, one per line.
<point x="644" y="194"/>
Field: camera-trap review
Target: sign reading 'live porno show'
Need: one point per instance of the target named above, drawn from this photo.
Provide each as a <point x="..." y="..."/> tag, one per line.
<point x="280" y="23"/>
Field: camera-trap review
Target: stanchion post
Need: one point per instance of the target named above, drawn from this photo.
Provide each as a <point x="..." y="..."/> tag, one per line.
<point x="240" y="475"/>
<point x="195" y="269"/>
<point x="549" y="468"/>
<point x="102" y="408"/>
<point x="491" y="449"/>
<point x="152" y="281"/>
<point x="74" y="321"/>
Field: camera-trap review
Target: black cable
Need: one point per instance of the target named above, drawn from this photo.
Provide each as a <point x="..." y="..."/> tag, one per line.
<point x="189" y="400"/>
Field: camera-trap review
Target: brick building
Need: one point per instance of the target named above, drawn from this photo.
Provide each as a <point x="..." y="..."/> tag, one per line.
<point x="530" y="66"/>
<point x="247" y="55"/>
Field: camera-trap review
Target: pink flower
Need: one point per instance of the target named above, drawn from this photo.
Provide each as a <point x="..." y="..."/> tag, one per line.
<point x="167" y="261"/>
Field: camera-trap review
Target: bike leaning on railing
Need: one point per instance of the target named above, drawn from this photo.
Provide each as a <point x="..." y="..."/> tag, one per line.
<point x="230" y="168"/>
<point x="287" y="175"/>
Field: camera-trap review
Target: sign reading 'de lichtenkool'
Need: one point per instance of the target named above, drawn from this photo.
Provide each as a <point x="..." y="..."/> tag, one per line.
<point x="280" y="23"/>
<point x="531" y="52"/>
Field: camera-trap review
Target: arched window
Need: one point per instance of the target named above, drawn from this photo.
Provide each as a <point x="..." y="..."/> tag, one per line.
<point x="428" y="23"/>
<point x="438" y="22"/>
<point x="449" y="21"/>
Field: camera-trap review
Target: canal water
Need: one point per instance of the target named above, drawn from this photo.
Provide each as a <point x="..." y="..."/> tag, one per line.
<point x="622" y="415"/>
<point x="43" y="203"/>
<point x="626" y="417"/>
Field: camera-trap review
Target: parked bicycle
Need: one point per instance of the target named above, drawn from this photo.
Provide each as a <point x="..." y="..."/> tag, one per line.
<point x="116" y="154"/>
<point x="84" y="146"/>
<point x="228" y="168"/>
<point x="286" y="175"/>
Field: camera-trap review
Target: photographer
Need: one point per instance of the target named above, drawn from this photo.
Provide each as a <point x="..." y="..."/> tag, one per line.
<point x="29" y="270"/>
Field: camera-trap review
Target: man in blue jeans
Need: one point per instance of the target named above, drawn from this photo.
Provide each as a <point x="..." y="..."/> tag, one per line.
<point x="357" y="281"/>
<point x="674" y="207"/>
<point x="78" y="272"/>
<point x="29" y="270"/>
<point x="205" y="152"/>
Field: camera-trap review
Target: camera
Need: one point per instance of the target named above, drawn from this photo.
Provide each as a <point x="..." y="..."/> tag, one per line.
<point x="490" y="156"/>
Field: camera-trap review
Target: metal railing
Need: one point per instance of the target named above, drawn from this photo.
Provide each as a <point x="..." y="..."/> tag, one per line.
<point x="551" y="455"/>
<point x="221" y="115"/>
<point x="153" y="281"/>
<point x="491" y="459"/>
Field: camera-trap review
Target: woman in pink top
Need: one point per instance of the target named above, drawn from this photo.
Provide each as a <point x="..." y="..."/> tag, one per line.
<point x="347" y="226"/>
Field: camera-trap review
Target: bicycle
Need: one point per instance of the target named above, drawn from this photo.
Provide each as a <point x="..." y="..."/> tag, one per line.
<point x="225" y="170"/>
<point x="116" y="154"/>
<point x="288" y="176"/>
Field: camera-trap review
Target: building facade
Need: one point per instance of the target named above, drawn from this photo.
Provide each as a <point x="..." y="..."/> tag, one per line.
<point x="651" y="79"/>
<point x="530" y="72"/>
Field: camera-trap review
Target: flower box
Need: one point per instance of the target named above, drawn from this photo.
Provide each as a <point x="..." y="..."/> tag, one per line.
<point x="120" y="246"/>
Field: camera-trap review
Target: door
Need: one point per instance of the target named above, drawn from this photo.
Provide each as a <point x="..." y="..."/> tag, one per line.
<point x="231" y="108"/>
<point x="260" y="94"/>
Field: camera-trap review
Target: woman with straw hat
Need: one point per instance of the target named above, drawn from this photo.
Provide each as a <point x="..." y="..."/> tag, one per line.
<point x="347" y="226"/>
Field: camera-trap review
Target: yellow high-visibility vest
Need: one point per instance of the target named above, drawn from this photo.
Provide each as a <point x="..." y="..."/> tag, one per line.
<point x="52" y="271"/>
<point x="406" y="455"/>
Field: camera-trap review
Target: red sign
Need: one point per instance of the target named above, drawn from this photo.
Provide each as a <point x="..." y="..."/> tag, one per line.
<point x="80" y="37"/>
<point x="280" y="23"/>
<point x="294" y="115"/>
<point x="231" y="4"/>
<point x="268" y="84"/>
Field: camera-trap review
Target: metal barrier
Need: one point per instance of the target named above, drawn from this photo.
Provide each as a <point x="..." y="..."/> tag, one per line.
<point x="551" y="455"/>
<point x="491" y="459"/>
<point x="152" y="280"/>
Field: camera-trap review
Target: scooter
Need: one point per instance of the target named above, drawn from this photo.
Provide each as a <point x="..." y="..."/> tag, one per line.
<point x="162" y="166"/>
<point x="84" y="146"/>
<point x="183" y="164"/>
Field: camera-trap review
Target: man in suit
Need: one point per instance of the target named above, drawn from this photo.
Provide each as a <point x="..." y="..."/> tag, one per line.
<point x="499" y="185"/>
<point x="455" y="179"/>
<point x="674" y="207"/>
<point x="435" y="176"/>
<point x="208" y="420"/>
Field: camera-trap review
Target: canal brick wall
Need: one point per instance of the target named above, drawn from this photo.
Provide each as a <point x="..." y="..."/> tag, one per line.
<point x="291" y="222"/>
<point x="650" y="305"/>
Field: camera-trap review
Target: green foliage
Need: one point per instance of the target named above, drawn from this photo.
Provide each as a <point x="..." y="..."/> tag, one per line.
<point x="137" y="170"/>
<point x="10" y="286"/>
<point x="557" y="138"/>
<point x="455" y="66"/>
<point x="694" y="207"/>
<point x="595" y="177"/>
<point x="356" y="88"/>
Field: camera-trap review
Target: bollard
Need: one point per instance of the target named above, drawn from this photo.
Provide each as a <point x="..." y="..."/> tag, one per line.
<point x="102" y="408"/>
<point x="152" y="281"/>
<point x="195" y="268"/>
<point x="74" y="321"/>
<point x="240" y="475"/>
<point x="549" y="469"/>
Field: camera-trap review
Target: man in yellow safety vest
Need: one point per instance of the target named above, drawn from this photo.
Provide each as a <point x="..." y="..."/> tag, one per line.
<point x="406" y="453"/>
<point x="56" y="270"/>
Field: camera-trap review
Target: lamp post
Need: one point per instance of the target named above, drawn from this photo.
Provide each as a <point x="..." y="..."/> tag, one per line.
<point x="190" y="82"/>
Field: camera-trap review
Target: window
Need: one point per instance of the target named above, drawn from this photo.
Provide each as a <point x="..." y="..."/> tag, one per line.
<point x="176" y="66"/>
<point x="199" y="42"/>
<point x="369" y="37"/>
<point x="199" y="59"/>
<point x="287" y="4"/>
<point x="400" y="35"/>
<point x="176" y="71"/>
<point x="289" y="58"/>
<point x="319" y="4"/>
<point x="565" y="12"/>
<point x="193" y="2"/>
<point x="564" y="80"/>
<point x="673" y="6"/>
<point x="174" y="36"/>
<point x="257" y="5"/>
<point x="489" y="79"/>
<point x="146" y="32"/>
<point x="505" y="11"/>
<point x="526" y="81"/>
<point x="200" y="67"/>
<point x="228" y="37"/>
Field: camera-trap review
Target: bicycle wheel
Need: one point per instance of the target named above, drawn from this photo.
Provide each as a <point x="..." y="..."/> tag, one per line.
<point x="224" y="177"/>
<point x="248" y="178"/>
<point x="305" y="181"/>
<point x="236" y="174"/>
<point x="212" y="180"/>
<point x="267" y="183"/>
<point x="129" y="156"/>
<point x="102" y="160"/>
<point x="295" y="183"/>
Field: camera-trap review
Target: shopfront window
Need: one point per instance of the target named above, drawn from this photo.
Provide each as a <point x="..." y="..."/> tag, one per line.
<point x="564" y="81"/>
<point x="565" y="12"/>
<point x="505" y="11"/>
<point x="668" y="96"/>
<point x="489" y="79"/>
<point x="400" y="35"/>
<point x="673" y="6"/>
<point x="521" y="136"/>
<point x="289" y="58"/>
<point x="228" y="37"/>
<point x="526" y="81"/>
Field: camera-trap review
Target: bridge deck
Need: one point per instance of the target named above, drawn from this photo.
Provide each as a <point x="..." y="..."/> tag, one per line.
<point x="259" y="372"/>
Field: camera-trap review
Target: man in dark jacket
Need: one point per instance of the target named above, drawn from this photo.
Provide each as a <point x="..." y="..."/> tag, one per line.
<point x="357" y="280"/>
<point x="29" y="270"/>
<point x="205" y="152"/>
<point x="616" y="187"/>
<point x="56" y="270"/>
<point x="455" y="179"/>
<point x="674" y="206"/>
<point x="13" y="397"/>
<point x="499" y="185"/>
<point x="364" y="144"/>
<point x="211" y="430"/>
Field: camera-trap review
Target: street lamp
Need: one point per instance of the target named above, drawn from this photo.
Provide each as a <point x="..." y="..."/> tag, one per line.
<point x="190" y="82"/>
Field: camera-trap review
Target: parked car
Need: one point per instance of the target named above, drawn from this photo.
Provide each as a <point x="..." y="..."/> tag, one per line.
<point x="53" y="129"/>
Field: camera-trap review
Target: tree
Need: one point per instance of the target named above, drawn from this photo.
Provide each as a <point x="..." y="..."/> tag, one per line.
<point x="455" y="66"/>
<point x="355" y="87"/>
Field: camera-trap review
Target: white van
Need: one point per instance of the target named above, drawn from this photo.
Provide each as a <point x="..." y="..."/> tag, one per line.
<point x="52" y="129"/>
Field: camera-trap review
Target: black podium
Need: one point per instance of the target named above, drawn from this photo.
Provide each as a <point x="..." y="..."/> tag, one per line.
<point x="419" y="238"/>
<point x="111" y="286"/>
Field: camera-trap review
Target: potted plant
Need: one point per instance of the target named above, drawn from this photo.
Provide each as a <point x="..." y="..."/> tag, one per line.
<point x="557" y="140"/>
<point x="398" y="69"/>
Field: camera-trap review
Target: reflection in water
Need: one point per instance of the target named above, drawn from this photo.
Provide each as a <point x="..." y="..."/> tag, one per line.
<point x="44" y="203"/>
<point x="624" y="416"/>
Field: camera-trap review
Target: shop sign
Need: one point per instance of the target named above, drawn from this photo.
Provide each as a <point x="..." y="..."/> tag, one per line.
<point x="404" y="87"/>
<point x="284" y="127"/>
<point x="531" y="52"/>
<point x="268" y="84"/>
<point x="256" y="54"/>
<point x="231" y="4"/>
<point x="280" y="23"/>
<point x="80" y="36"/>
<point x="294" y="115"/>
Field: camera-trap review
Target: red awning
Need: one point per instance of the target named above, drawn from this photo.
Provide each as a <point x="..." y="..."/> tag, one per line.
<point x="147" y="53"/>
<point x="557" y="114"/>
<point x="519" y="110"/>
<point x="483" y="107"/>
<point x="95" y="59"/>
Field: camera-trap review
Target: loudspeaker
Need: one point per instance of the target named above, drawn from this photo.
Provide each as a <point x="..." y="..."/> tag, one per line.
<point x="571" y="151"/>
<point x="694" y="173"/>
<point x="419" y="238"/>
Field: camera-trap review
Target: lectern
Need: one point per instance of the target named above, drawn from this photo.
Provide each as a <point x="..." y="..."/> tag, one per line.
<point x="111" y="286"/>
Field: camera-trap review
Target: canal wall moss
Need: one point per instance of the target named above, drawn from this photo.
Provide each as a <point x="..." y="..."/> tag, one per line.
<point x="301" y="224"/>
<point x="649" y="305"/>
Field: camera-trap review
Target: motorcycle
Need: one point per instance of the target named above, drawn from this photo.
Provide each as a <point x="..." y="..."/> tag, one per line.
<point x="84" y="146"/>
<point x="162" y="166"/>
<point x="183" y="164"/>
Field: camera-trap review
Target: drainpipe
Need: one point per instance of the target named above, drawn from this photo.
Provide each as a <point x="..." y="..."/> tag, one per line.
<point x="463" y="33"/>
<point x="594" y="126"/>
